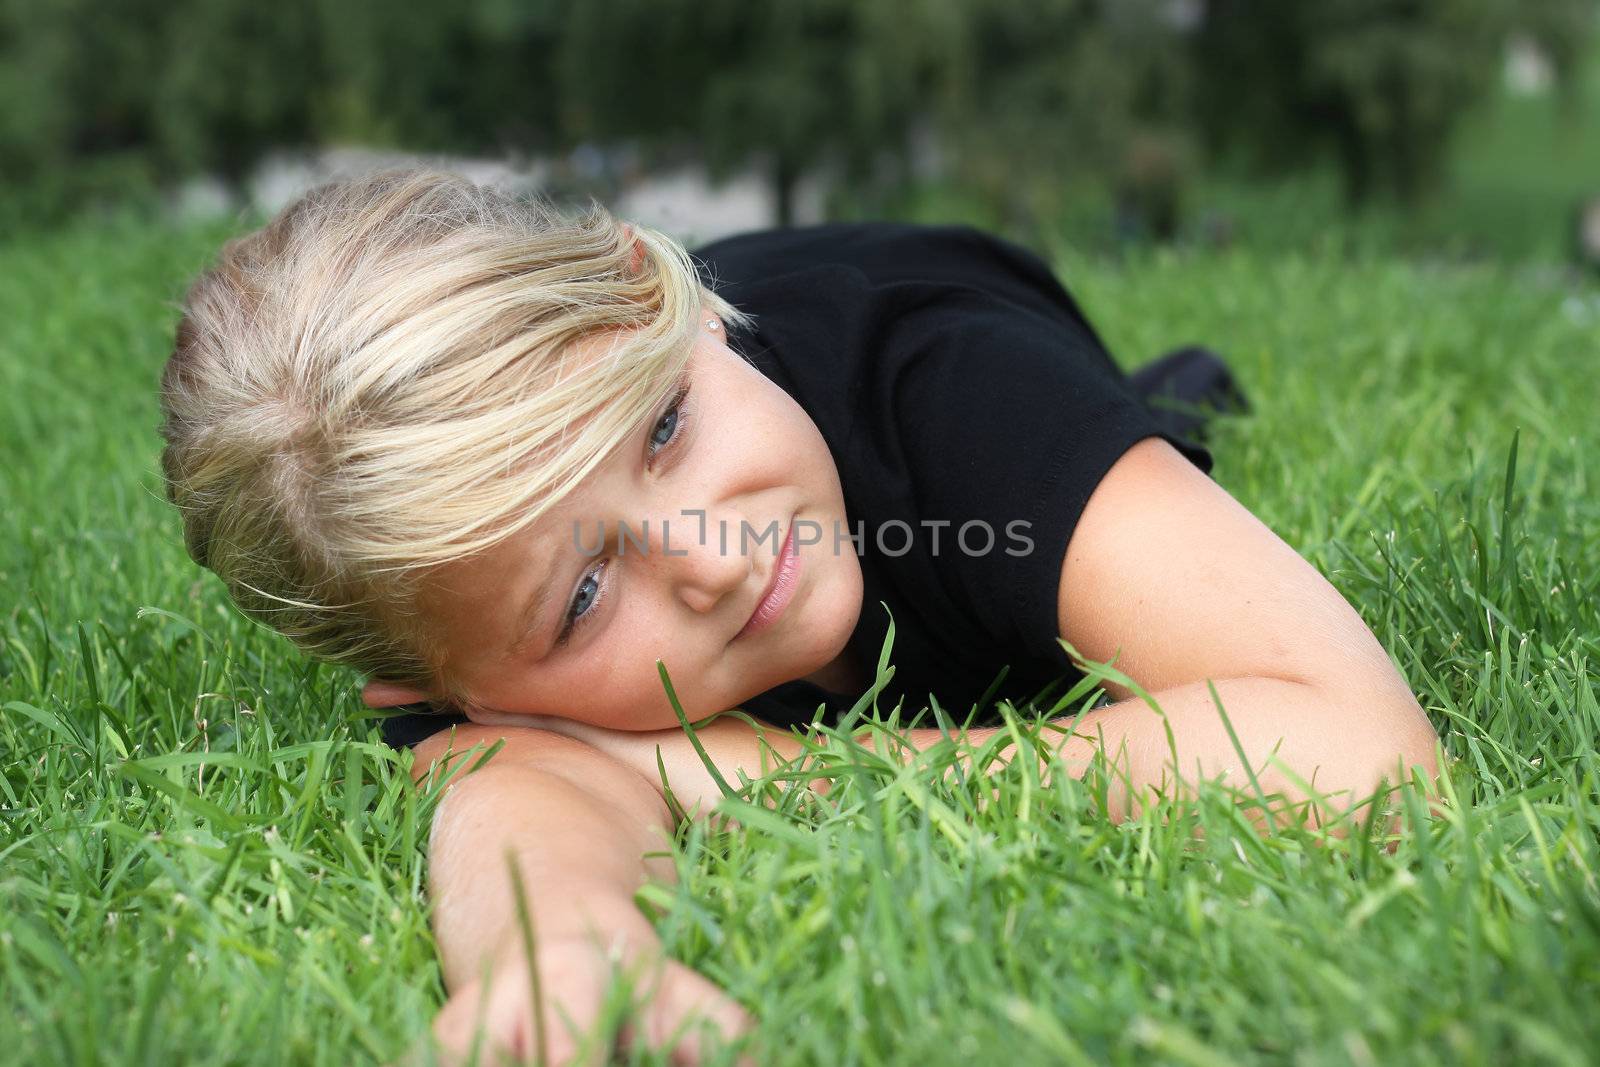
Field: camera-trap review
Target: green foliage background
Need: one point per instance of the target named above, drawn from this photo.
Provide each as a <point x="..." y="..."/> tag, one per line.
<point x="1038" y="108"/>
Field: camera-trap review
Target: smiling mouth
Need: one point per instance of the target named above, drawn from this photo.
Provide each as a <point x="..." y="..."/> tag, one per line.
<point x="780" y="587"/>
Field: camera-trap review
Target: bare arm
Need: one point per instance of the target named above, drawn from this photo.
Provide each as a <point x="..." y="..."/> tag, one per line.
<point x="1182" y="585"/>
<point x="577" y="825"/>
<point x="1295" y="738"/>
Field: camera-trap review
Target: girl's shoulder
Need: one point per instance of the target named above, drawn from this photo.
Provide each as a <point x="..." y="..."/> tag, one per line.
<point x="884" y="253"/>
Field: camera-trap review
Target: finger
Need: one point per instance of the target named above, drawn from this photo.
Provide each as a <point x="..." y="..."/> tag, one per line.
<point x="496" y="1028"/>
<point x="450" y="1040"/>
<point x="512" y="1038"/>
<point x="425" y="1052"/>
<point x="567" y="1033"/>
<point x="567" y="1043"/>
<point x="689" y="1016"/>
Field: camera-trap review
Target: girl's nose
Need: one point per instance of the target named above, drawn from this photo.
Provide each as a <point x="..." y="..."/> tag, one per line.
<point x="706" y="570"/>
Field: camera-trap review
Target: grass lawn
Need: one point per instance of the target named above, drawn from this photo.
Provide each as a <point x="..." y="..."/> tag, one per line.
<point x="207" y="855"/>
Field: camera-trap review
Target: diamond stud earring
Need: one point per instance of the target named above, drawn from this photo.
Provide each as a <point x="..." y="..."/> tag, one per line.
<point x="711" y="324"/>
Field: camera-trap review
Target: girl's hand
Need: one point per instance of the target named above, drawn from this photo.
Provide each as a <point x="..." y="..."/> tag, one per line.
<point x="673" y="1008"/>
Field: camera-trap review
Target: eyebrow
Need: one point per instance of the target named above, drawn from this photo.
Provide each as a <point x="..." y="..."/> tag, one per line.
<point x="531" y="613"/>
<point x="527" y="622"/>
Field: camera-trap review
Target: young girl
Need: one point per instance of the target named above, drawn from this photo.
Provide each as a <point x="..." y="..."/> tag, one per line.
<point x="504" y="461"/>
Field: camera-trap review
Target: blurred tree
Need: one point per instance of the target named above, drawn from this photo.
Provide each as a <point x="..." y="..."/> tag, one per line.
<point x="80" y="78"/>
<point x="1564" y="31"/>
<point x="228" y="80"/>
<point x="36" y="75"/>
<point x="464" y="78"/>
<point x="186" y="86"/>
<point x="799" y="85"/>
<point x="1052" y="98"/>
<point x="1036" y="108"/>
<point x="1379" y="83"/>
<point x="507" y="92"/>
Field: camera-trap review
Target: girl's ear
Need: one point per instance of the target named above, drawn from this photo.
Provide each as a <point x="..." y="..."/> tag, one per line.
<point x="638" y="250"/>
<point x="378" y="694"/>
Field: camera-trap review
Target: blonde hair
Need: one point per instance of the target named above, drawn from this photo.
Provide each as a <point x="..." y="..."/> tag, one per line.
<point x="382" y="380"/>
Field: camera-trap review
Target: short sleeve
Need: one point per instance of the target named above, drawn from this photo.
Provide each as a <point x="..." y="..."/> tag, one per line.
<point x="1008" y="420"/>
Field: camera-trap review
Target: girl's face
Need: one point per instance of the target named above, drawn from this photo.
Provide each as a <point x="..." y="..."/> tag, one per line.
<point x="555" y="621"/>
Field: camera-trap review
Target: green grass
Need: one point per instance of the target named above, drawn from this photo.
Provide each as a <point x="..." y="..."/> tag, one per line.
<point x="206" y="855"/>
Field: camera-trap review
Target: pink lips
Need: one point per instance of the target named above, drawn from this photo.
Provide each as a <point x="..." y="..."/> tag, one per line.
<point x="785" y="573"/>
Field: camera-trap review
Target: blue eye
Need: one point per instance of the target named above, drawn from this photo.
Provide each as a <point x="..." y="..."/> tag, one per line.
<point x="668" y="427"/>
<point x="582" y="605"/>
<point x="668" y="433"/>
<point x="670" y="422"/>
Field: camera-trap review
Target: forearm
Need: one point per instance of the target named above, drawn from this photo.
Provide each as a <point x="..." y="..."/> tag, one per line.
<point x="579" y="859"/>
<point x="1338" y="744"/>
<point x="732" y="746"/>
<point x="1288" y="732"/>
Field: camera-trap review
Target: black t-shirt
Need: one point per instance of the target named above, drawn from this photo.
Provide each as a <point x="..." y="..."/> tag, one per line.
<point x="971" y="410"/>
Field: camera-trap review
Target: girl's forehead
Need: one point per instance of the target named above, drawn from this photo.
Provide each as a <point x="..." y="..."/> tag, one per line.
<point x="474" y="582"/>
<point x="565" y="525"/>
